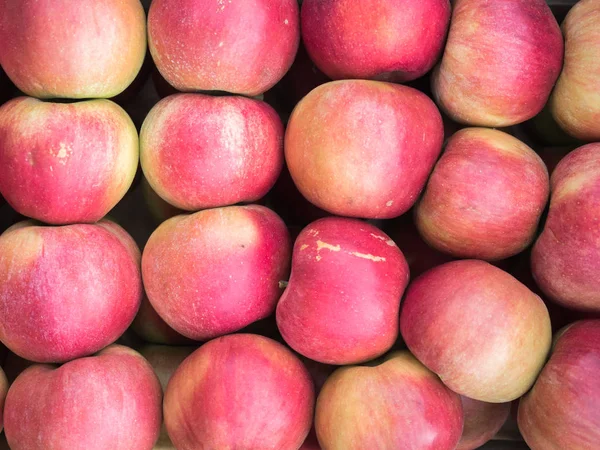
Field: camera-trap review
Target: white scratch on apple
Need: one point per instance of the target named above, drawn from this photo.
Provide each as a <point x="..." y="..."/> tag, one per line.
<point x="368" y="256"/>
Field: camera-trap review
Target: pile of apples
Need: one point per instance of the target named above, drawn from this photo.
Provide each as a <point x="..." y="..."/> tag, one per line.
<point x="408" y="189"/>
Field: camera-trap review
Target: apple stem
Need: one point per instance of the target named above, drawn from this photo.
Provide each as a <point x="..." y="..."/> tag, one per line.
<point x="283" y="284"/>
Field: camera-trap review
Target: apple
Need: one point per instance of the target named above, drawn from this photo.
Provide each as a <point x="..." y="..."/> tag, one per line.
<point x="396" y="403"/>
<point x="198" y="151"/>
<point x="362" y="148"/>
<point x="239" y="391"/>
<point x="66" y="292"/>
<point x="108" y="401"/>
<point x="485" y="196"/>
<point x="482" y="422"/>
<point x="342" y="301"/>
<point x="165" y="360"/>
<point x="483" y="332"/>
<point x="562" y="410"/>
<point x="216" y="271"/>
<point x="575" y="102"/>
<point x="149" y="326"/>
<point x="566" y="257"/>
<point x="77" y="164"/>
<point x="501" y="61"/>
<point x="66" y="49"/>
<point x="242" y="46"/>
<point x="390" y="40"/>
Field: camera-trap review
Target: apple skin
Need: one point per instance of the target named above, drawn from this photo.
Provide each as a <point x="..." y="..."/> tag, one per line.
<point x="391" y="40"/>
<point x="575" y="102"/>
<point x="110" y="401"/>
<point x="362" y="148"/>
<point x="265" y="397"/>
<point x="562" y="411"/>
<point x="483" y="332"/>
<point x="66" y="292"/>
<point x="395" y="404"/>
<point x="216" y="271"/>
<point x="198" y="151"/>
<point x="342" y="302"/>
<point x="75" y="167"/>
<point x="485" y="196"/>
<point x="149" y="326"/>
<point x="482" y="422"/>
<point x="500" y="63"/>
<point x="566" y="257"/>
<point x="59" y="49"/>
<point x="242" y="47"/>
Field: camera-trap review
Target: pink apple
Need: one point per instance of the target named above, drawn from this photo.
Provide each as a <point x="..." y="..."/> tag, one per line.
<point x="66" y="292"/>
<point x="111" y="401"/>
<point x="575" y="102"/>
<point x="75" y="167"/>
<point x="566" y="257"/>
<point x="363" y="148"/>
<point x="562" y="411"/>
<point x="61" y="48"/>
<point x="239" y="391"/>
<point x="483" y="332"/>
<point x="242" y="46"/>
<point x="482" y="422"/>
<point x="341" y="305"/>
<point x="199" y="151"/>
<point x="395" y="404"/>
<point x="149" y="326"/>
<point x="501" y="61"/>
<point x="216" y="271"/>
<point x="485" y="196"/>
<point x="389" y="40"/>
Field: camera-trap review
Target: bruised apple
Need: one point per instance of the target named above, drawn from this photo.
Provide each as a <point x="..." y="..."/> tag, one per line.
<point x="342" y="301"/>
<point x="363" y="148"/>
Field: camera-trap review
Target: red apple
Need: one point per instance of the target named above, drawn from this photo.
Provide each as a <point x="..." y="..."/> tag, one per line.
<point x="66" y="292"/>
<point x="149" y="326"/>
<point x="61" y="48"/>
<point x="199" y="151"/>
<point x="566" y="257"/>
<point x="501" y="61"/>
<point x="389" y="40"/>
<point x="216" y="271"/>
<point x="482" y="422"/>
<point x="341" y="305"/>
<point x="575" y="102"/>
<point x="562" y="411"/>
<point x="242" y="46"/>
<point x="111" y="401"/>
<point x="363" y="148"/>
<point x="483" y="332"/>
<point x="77" y="164"/>
<point x="239" y="391"/>
<point x="485" y="196"/>
<point x="395" y="404"/>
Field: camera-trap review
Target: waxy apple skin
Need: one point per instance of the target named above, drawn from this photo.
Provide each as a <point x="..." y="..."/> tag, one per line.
<point x="66" y="49"/>
<point x="66" y="292"/>
<point x="216" y="271"/>
<point x="110" y="401"/>
<point x="485" y="196"/>
<point x="482" y="422"/>
<point x="500" y="62"/>
<point x="397" y="404"/>
<point x="242" y="47"/>
<point x="199" y="151"/>
<point x="575" y="101"/>
<point x="565" y="260"/>
<point x="390" y="40"/>
<point x="361" y="148"/>
<point x="562" y="410"/>
<point x="483" y="332"/>
<point x="66" y="163"/>
<point x="342" y="302"/>
<point x="239" y="391"/>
